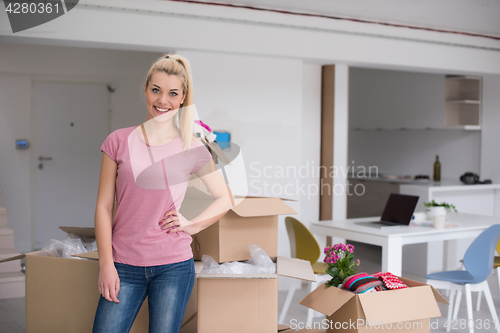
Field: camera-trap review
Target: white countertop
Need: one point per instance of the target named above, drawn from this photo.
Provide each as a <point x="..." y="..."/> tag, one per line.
<point x="445" y="184"/>
<point x="466" y="222"/>
<point x="456" y="185"/>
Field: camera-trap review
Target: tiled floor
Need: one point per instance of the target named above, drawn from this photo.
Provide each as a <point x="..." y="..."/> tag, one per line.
<point x="12" y="315"/>
<point x="12" y="311"/>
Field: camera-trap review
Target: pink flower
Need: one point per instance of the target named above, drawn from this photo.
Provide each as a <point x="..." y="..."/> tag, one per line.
<point x="358" y="263"/>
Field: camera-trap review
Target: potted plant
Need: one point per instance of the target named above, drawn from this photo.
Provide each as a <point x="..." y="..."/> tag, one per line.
<point x="339" y="258"/>
<point x="437" y="209"/>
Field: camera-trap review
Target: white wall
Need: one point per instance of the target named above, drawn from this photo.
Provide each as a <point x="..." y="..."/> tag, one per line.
<point x="19" y="66"/>
<point x="15" y="104"/>
<point x="490" y="134"/>
<point x="394" y="99"/>
<point x="272" y="114"/>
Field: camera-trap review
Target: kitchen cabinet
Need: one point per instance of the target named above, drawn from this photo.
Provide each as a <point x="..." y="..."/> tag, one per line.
<point x="463" y="102"/>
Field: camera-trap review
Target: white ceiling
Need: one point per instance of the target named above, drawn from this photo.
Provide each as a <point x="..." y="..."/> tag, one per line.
<point x="470" y="16"/>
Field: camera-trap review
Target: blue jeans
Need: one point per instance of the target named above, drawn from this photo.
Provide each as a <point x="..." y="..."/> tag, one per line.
<point x="168" y="288"/>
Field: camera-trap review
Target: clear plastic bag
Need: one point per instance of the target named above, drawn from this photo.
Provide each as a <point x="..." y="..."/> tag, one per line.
<point x="87" y="240"/>
<point x="53" y="248"/>
<point x="260" y="263"/>
<point x="92" y="246"/>
<point x="72" y="244"/>
<point x="261" y="259"/>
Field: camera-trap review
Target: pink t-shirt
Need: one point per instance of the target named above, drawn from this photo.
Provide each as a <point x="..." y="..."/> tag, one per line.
<point x="150" y="182"/>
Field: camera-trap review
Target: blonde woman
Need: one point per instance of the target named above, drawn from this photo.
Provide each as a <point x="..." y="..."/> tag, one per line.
<point x="145" y="251"/>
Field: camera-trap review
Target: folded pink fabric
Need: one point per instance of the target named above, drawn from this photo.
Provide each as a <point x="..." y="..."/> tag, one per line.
<point x="390" y="280"/>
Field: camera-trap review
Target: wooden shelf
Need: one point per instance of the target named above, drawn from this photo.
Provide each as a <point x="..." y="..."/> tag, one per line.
<point x="462" y="77"/>
<point x="463" y="102"/>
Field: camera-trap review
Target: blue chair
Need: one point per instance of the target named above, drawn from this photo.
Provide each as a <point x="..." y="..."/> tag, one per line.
<point x="478" y="264"/>
<point x="496" y="266"/>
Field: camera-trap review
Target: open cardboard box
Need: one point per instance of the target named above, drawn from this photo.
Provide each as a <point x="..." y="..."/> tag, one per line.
<point x="252" y="220"/>
<point x="62" y="293"/>
<point x="409" y="309"/>
<point x="245" y="302"/>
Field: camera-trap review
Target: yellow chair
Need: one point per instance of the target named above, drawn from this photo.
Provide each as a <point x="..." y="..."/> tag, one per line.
<point x="303" y="246"/>
<point x="496" y="263"/>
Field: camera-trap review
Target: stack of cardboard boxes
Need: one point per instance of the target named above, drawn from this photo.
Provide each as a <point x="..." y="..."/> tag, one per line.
<point x="62" y="293"/>
<point x="239" y="303"/>
<point x="11" y="277"/>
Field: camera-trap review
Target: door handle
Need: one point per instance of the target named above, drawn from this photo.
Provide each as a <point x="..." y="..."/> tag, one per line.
<point x="41" y="158"/>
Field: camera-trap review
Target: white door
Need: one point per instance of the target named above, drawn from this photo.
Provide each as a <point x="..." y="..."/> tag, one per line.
<point x="70" y="124"/>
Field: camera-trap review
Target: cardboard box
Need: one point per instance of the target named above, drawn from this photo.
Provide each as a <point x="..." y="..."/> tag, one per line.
<point x="245" y="303"/>
<point x="252" y="220"/>
<point x="62" y="293"/>
<point x="409" y="309"/>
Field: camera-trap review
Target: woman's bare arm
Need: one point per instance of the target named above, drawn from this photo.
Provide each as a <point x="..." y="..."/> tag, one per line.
<point x="223" y="201"/>
<point x="223" y="198"/>
<point x="103" y="213"/>
<point x="109" y="281"/>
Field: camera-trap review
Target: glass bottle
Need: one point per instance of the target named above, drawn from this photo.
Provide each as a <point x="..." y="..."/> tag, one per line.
<point x="437" y="169"/>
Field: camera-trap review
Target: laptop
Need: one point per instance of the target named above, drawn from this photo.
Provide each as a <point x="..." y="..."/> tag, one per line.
<point x="398" y="212"/>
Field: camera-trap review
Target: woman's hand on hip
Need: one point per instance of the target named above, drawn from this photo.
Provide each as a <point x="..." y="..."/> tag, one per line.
<point x="109" y="283"/>
<point x="191" y="229"/>
<point x="174" y="220"/>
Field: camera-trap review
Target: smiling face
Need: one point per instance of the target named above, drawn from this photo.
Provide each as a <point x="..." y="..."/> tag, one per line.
<point x="164" y="95"/>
